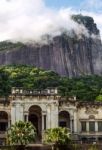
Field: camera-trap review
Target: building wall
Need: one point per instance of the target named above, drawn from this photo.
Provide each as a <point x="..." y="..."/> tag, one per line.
<point x="51" y="106"/>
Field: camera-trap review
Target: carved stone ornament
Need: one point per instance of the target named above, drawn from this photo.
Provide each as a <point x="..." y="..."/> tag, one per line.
<point x="91" y="111"/>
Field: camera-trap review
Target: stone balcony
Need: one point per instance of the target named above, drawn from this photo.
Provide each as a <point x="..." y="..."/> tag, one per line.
<point x="27" y="92"/>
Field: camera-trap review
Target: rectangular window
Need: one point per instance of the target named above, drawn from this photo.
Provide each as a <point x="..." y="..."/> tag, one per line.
<point x="92" y="126"/>
<point x="83" y="126"/>
<point x="100" y="126"/>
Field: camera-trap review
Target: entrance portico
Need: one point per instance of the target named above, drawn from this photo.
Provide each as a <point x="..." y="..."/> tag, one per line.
<point x="40" y="108"/>
<point x="35" y="117"/>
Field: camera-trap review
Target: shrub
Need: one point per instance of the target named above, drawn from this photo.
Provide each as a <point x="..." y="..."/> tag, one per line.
<point x="21" y="133"/>
<point x="57" y="136"/>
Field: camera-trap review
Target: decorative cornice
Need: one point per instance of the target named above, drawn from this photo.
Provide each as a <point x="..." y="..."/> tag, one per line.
<point x="91" y="111"/>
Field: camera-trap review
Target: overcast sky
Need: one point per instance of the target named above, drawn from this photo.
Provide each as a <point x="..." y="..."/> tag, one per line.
<point x="24" y="20"/>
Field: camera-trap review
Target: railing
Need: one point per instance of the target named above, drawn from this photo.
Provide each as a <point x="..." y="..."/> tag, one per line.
<point x="20" y="91"/>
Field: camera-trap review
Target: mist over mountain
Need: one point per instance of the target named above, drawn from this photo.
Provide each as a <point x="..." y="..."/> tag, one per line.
<point x="73" y="52"/>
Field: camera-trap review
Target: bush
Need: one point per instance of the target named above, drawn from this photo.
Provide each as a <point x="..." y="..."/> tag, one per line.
<point x="21" y="133"/>
<point x="57" y="136"/>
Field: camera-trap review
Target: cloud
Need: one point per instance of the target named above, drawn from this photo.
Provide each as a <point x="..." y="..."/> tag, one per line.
<point x="92" y="5"/>
<point x="97" y="18"/>
<point x="24" y="20"/>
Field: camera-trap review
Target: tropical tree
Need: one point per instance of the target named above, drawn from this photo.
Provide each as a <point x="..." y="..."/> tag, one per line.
<point x="5" y="87"/>
<point x="99" y="97"/>
<point x="21" y="133"/>
<point x="57" y="136"/>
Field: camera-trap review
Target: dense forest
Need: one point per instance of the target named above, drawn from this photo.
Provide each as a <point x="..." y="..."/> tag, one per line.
<point x="85" y="88"/>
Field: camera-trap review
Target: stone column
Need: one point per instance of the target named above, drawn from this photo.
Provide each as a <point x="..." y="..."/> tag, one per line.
<point x="19" y="111"/>
<point x="96" y="126"/>
<point x="13" y="113"/>
<point x="71" y="124"/>
<point x="9" y="123"/>
<point x="43" y="121"/>
<point x="26" y="116"/>
<point x="87" y="126"/>
<point x="75" y="121"/>
<point x="54" y="115"/>
<point x="48" y="116"/>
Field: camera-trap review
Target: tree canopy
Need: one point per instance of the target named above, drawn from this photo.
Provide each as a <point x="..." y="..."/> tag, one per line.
<point x="28" y="77"/>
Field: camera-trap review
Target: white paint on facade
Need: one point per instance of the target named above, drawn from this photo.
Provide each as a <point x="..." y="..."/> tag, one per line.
<point x="84" y="119"/>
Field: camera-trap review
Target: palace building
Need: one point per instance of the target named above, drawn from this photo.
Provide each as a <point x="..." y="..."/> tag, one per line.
<point x="46" y="109"/>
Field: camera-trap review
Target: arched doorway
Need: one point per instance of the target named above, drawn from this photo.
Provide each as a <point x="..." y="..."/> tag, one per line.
<point x="35" y="117"/>
<point x="3" y="121"/>
<point x="64" y="119"/>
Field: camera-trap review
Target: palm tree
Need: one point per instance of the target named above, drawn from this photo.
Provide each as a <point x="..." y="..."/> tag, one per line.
<point x="59" y="137"/>
<point x="21" y="133"/>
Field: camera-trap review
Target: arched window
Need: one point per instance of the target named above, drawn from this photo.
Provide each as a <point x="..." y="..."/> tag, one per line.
<point x="3" y="121"/>
<point x="64" y="119"/>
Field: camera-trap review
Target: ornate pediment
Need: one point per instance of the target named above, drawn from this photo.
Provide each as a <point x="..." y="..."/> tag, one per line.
<point x="91" y="111"/>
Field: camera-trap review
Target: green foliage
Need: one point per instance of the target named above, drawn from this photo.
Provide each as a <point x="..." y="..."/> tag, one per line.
<point x="99" y="97"/>
<point x="7" y="45"/>
<point x="5" y="86"/>
<point x="85" y="88"/>
<point x="21" y="133"/>
<point x="93" y="147"/>
<point x="57" y="136"/>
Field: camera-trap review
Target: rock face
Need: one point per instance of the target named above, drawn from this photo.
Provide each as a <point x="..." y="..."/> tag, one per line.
<point x="68" y="56"/>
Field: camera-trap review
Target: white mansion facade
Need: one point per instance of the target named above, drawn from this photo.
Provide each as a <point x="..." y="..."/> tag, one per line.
<point x="46" y="109"/>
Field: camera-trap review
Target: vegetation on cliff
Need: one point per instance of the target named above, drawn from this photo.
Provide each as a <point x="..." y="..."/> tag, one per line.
<point x="7" y="45"/>
<point x="84" y="88"/>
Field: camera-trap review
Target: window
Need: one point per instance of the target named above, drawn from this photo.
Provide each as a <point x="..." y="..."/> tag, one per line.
<point x="92" y="126"/>
<point x="100" y="126"/>
<point x="62" y="124"/>
<point x="83" y="126"/>
<point x="3" y="126"/>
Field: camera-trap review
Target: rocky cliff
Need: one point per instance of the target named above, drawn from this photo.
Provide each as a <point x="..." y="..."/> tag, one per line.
<point x="69" y="56"/>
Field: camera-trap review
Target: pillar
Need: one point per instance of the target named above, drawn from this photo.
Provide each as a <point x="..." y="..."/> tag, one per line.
<point x="75" y="122"/>
<point x="9" y="123"/>
<point x="43" y="121"/>
<point x="96" y="126"/>
<point x="54" y="115"/>
<point x="26" y="117"/>
<point x="71" y="124"/>
<point x="48" y="116"/>
<point x="13" y="114"/>
<point x="87" y="126"/>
